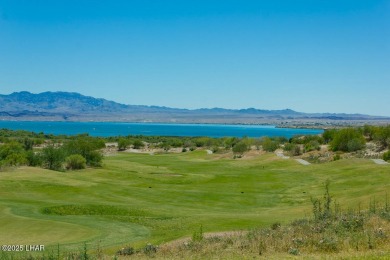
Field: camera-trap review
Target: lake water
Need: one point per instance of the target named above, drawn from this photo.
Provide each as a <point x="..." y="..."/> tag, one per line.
<point x="122" y="129"/>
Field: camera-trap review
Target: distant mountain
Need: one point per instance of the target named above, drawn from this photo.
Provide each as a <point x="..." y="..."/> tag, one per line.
<point x="62" y="106"/>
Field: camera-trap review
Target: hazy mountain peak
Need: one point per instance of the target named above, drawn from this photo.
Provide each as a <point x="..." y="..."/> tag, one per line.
<point x="60" y="105"/>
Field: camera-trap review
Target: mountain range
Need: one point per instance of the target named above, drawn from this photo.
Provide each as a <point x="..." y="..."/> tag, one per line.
<point x="67" y="106"/>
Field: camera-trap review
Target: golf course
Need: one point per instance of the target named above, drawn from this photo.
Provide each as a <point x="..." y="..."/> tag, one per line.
<point x="135" y="199"/>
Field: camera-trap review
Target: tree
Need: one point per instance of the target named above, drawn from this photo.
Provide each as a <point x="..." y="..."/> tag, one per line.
<point x="347" y="140"/>
<point x="12" y="154"/>
<point x="87" y="147"/>
<point x="240" y="148"/>
<point x="123" y="144"/>
<point x="382" y="136"/>
<point x="28" y="144"/>
<point x="328" y="135"/>
<point x="53" y="157"/>
<point x="34" y="158"/>
<point x="268" y="144"/>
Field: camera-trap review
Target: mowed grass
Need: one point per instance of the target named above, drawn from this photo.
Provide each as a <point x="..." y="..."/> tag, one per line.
<point x="138" y="198"/>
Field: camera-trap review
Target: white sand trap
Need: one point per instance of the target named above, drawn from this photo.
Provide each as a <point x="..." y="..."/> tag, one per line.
<point x="379" y="161"/>
<point x="209" y="152"/>
<point x="281" y="155"/>
<point x="301" y="161"/>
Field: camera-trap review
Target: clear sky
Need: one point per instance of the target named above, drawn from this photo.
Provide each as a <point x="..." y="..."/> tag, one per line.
<point x="307" y="55"/>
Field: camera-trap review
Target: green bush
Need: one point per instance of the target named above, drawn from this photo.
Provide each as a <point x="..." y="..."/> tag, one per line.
<point x="123" y="144"/>
<point x="336" y="157"/>
<point x="289" y="147"/>
<point x="312" y="145"/>
<point x="386" y="156"/>
<point x="53" y="157"/>
<point x="87" y="147"/>
<point x="294" y="149"/>
<point x="137" y="144"/>
<point x="347" y="140"/>
<point x="328" y="135"/>
<point x="13" y="154"/>
<point x="34" y="158"/>
<point x="126" y="251"/>
<point x="269" y="145"/>
<point x="150" y="249"/>
<point x="75" y="162"/>
<point x="382" y="136"/>
<point x="94" y="158"/>
<point x="198" y="235"/>
<point x="240" y="148"/>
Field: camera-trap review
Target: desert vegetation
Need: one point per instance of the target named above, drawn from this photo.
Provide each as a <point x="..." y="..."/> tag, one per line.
<point x="52" y="152"/>
<point x="134" y="204"/>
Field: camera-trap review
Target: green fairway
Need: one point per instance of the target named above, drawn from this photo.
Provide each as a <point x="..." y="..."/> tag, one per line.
<point x="137" y="198"/>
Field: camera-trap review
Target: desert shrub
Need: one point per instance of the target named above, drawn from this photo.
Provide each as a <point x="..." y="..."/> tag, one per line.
<point x="150" y="249"/>
<point x="355" y="145"/>
<point x="240" y="148"/>
<point x="13" y="154"/>
<point x="87" y="147"/>
<point x="288" y="147"/>
<point x="203" y="142"/>
<point x="198" y="234"/>
<point x="94" y="158"/>
<point x="268" y="144"/>
<point x="312" y="145"/>
<point x="328" y="244"/>
<point x="138" y="144"/>
<point x="293" y="251"/>
<point x="276" y="225"/>
<point x="188" y="143"/>
<point x="297" y="150"/>
<point x="322" y="208"/>
<point x="34" y="158"/>
<point x="229" y="142"/>
<point x="75" y="162"/>
<point x="53" y="157"/>
<point x="328" y="135"/>
<point x="215" y="149"/>
<point x="386" y="156"/>
<point x="352" y="221"/>
<point x="382" y="136"/>
<point x="347" y="140"/>
<point x="123" y="144"/>
<point x="28" y="143"/>
<point x="126" y="251"/>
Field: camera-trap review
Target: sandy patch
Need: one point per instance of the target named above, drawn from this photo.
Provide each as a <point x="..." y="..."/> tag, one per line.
<point x="301" y="161"/>
<point x="280" y="154"/>
<point x="379" y="161"/>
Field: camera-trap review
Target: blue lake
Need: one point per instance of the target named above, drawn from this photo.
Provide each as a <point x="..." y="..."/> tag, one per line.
<point x="122" y="129"/>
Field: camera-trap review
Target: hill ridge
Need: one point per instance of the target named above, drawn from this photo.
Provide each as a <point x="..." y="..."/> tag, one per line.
<point x="60" y="105"/>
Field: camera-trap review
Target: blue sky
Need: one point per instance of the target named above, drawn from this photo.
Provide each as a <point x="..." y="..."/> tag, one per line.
<point x="307" y="55"/>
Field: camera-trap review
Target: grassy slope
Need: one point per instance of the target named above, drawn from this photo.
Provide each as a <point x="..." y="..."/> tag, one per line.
<point x="162" y="197"/>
